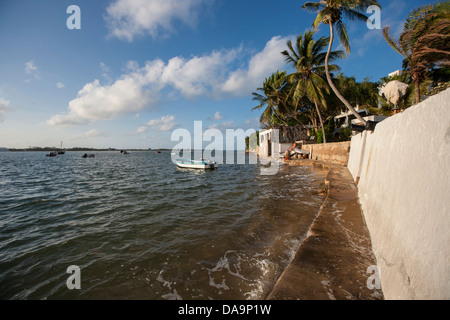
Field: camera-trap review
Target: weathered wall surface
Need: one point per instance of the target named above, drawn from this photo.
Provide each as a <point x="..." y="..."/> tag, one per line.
<point x="336" y="153"/>
<point x="403" y="174"/>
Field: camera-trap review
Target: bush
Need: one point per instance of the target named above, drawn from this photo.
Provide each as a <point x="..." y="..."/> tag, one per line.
<point x="345" y="134"/>
<point x="328" y="134"/>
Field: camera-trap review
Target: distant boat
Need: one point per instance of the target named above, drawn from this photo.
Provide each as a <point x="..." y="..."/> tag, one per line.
<point x="196" y="164"/>
<point x="124" y="152"/>
<point x="88" y="155"/>
<point x="159" y="151"/>
<point x="61" y="151"/>
<point x="52" y="154"/>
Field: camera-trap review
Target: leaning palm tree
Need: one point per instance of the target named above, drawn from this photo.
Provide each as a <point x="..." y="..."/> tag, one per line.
<point x="424" y="42"/>
<point x="331" y="12"/>
<point x="273" y="97"/>
<point x="308" y="59"/>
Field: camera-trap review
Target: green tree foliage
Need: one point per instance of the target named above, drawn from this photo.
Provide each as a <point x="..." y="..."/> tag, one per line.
<point x="303" y="96"/>
<point x="424" y="42"/>
<point x="273" y="97"/>
<point x="332" y="13"/>
<point x="307" y="57"/>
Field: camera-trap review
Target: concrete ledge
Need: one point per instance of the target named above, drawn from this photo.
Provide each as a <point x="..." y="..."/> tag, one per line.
<point x="332" y="261"/>
<point x="336" y="152"/>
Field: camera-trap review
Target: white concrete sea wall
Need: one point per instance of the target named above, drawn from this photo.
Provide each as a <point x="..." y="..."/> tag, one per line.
<point x="403" y="174"/>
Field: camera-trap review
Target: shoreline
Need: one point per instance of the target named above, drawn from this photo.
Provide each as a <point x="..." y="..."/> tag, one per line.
<point x="332" y="261"/>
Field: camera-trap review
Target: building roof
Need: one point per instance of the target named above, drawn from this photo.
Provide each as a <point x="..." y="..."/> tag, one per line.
<point x="289" y="134"/>
<point x="346" y="114"/>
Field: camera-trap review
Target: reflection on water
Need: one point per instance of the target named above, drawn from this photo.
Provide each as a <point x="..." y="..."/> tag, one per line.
<point x="140" y="228"/>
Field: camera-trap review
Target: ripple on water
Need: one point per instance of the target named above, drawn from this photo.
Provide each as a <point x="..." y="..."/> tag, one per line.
<point x="139" y="228"/>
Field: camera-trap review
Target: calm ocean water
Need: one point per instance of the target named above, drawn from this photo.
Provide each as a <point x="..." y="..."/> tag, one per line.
<point x="140" y="228"/>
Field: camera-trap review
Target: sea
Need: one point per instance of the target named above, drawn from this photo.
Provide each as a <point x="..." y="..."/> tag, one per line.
<point x="136" y="227"/>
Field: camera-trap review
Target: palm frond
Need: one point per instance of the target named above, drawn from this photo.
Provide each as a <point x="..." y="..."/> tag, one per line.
<point x="362" y="5"/>
<point x="343" y="36"/>
<point x="355" y="15"/>
<point x="311" y="6"/>
<point x="390" y="40"/>
<point x="320" y="18"/>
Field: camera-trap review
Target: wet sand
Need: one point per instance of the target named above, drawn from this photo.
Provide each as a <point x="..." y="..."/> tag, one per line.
<point x="332" y="262"/>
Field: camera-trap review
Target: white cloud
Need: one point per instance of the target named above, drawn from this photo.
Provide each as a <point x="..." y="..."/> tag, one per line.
<point x="228" y="124"/>
<point x="261" y="65"/>
<point x="60" y="85"/>
<point x="210" y="75"/>
<point x="130" y="18"/>
<point x="252" y="123"/>
<point x="104" y="68"/>
<point x="4" y="107"/>
<point x="166" y="123"/>
<point x="30" y="67"/>
<point x="132" y="65"/>
<point x="105" y="72"/>
<point x="391" y="15"/>
<point x="97" y="102"/>
<point x="141" y="129"/>
<point x="89" y="134"/>
<point x="217" y="116"/>
<point x="223" y="126"/>
<point x="232" y="125"/>
<point x="199" y="75"/>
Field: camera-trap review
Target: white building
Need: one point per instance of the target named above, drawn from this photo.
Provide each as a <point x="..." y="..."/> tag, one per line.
<point x="346" y="118"/>
<point x="396" y="73"/>
<point x="275" y="142"/>
<point x="373" y="118"/>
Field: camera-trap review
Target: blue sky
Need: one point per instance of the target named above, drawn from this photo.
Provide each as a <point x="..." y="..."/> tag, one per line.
<point x="139" y="69"/>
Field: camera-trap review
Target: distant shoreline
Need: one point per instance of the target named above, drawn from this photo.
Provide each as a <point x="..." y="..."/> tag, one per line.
<point x="47" y="149"/>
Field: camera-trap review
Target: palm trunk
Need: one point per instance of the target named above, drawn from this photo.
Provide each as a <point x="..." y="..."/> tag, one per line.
<point x="280" y="118"/>
<point x="417" y="90"/>
<point x="330" y="82"/>
<point x="313" y="121"/>
<point x="295" y="116"/>
<point x="321" y="123"/>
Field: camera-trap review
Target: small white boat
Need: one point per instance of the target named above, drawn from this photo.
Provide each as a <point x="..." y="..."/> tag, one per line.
<point x="294" y="152"/>
<point x="301" y="151"/>
<point x="196" y="164"/>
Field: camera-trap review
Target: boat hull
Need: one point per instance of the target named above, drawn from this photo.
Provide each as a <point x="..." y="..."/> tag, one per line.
<point x="301" y="151"/>
<point x="191" y="164"/>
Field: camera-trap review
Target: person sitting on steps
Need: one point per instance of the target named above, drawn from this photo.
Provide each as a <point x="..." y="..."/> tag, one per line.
<point x="287" y="155"/>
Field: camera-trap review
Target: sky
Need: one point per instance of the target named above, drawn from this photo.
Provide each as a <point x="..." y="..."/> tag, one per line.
<point x="127" y="73"/>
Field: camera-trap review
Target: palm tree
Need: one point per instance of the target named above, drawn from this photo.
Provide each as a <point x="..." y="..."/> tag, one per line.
<point x="273" y="96"/>
<point x="308" y="59"/>
<point x="424" y="41"/>
<point x="331" y="12"/>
